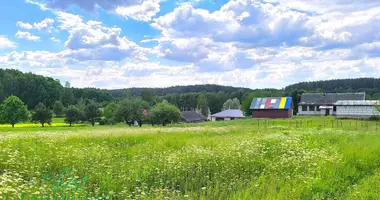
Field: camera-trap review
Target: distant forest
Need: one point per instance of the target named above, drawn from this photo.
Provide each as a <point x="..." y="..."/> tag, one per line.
<point x="32" y="89"/>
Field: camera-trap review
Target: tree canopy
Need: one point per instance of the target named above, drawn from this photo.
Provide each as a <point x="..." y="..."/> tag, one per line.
<point x="164" y="113"/>
<point x="13" y="111"/>
<point x="92" y="113"/>
<point x="73" y="115"/>
<point x="58" y="108"/>
<point x="42" y="114"/>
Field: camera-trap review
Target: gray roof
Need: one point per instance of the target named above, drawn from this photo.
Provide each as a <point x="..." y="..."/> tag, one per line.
<point x="356" y="103"/>
<point x="192" y="116"/>
<point x="231" y="113"/>
<point x="329" y="98"/>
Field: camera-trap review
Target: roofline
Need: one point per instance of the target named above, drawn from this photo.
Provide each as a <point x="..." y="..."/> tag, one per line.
<point x="334" y="93"/>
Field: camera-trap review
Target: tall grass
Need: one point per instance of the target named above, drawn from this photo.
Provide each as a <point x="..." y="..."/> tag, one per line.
<point x="225" y="160"/>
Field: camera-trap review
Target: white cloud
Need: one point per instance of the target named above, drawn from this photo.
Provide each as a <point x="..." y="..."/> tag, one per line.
<point x="45" y="24"/>
<point x="26" y="36"/>
<point x="92" y="40"/>
<point x="55" y="39"/>
<point x="143" y="12"/>
<point x="245" y="21"/>
<point x="5" y="43"/>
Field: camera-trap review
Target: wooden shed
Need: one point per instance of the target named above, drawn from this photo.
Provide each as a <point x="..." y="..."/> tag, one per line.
<point x="272" y="107"/>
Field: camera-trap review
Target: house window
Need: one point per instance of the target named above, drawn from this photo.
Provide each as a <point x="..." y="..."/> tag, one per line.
<point x="312" y="108"/>
<point x="304" y="108"/>
<point x="334" y="109"/>
<point x="318" y="109"/>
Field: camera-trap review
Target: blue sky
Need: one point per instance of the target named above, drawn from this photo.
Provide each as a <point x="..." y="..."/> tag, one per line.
<point x="159" y="43"/>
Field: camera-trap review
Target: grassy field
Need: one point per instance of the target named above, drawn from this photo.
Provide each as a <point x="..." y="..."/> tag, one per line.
<point x="243" y="159"/>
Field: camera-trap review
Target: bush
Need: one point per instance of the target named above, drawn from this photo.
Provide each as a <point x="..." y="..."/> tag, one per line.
<point x="374" y="118"/>
<point x="102" y="122"/>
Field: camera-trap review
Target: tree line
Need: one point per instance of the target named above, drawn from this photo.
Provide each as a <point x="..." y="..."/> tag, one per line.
<point x="13" y="111"/>
<point x="34" y="89"/>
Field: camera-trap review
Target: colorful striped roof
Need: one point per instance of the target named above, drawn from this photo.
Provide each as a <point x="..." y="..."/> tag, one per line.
<point x="271" y="103"/>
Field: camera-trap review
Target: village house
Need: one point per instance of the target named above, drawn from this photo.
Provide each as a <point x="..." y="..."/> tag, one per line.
<point x="324" y="103"/>
<point x="272" y="107"/>
<point x="226" y="115"/>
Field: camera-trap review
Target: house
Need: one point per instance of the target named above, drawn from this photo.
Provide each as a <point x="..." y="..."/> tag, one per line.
<point x="192" y="117"/>
<point x="272" y="107"/>
<point x="356" y="109"/>
<point x="229" y="114"/>
<point x="324" y="103"/>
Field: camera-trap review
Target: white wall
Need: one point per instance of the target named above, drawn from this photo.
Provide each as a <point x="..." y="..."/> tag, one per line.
<point x="359" y="111"/>
<point x="315" y="112"/>
<point x="308" y="112"/>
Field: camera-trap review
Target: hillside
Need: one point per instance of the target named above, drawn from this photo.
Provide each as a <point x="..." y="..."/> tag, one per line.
<point x="117" y="93"/>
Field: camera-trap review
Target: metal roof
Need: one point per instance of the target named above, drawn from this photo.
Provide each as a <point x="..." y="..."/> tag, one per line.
<point x="329" y="98"/>
<point x="270" y="103"/>
<point x="356" y="103"/>
<point x="192" y="116"/>
<point x="231" y="113"/>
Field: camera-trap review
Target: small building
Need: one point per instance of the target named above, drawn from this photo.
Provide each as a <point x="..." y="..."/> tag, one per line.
<point x="192" y="117"/>
<point x="356" y="109"/>
<point x="272" y="107"/>
<point x="226" y="115"/>
<point x="324" y="103"/>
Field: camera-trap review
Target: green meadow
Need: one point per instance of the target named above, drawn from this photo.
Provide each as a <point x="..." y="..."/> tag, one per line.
<point x="318" y="158"/>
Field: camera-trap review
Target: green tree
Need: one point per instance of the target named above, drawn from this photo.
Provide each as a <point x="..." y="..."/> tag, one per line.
<point x="124" y="112"/>
<point x="132" y="110"/>
<point x="58" y="108"/>
<point x="42" y="114"/>
<point x="13" y="111"/>
<point x="164" y="113"/>
<point x="140" y="109"/>
<point x="202" y="105"/>
<point x="73" y="115"/>
<point x="92" y="112"/>
<point x="231" y="104"/>
<point x="68" y="95"/>
<point x="147" y="95"/>
<point x="109" y="113"/>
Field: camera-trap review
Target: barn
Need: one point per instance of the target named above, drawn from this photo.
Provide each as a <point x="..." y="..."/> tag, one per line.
<point x="324" y="103"/>
<point x="272" y="107"/>
<point x="356" y="109"/>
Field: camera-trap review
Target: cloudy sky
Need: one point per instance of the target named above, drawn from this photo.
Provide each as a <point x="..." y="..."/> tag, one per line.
<point x="158" y="43"/>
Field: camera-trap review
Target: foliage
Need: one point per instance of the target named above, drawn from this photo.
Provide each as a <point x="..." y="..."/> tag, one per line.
<point x="13" y="111"/>
<point x="231" y="104"/>
<point x="377" y="107"/>
<point x="110" y="112"/>
<point x="58" y="108"/>
<point x="132" y="110"/>
<point x="202" y="105"/>
<point x="73" y="115"/>
<point x="68" y="95"/>
<point x="147" y="95"/>
<point x="92" y="113"/>
<point x="42" y="114"/>
<point x="30" y="88"/>
<point x="164" y="113"/>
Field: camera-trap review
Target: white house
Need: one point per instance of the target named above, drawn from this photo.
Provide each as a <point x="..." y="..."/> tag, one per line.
<point x="226" y="115"/>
